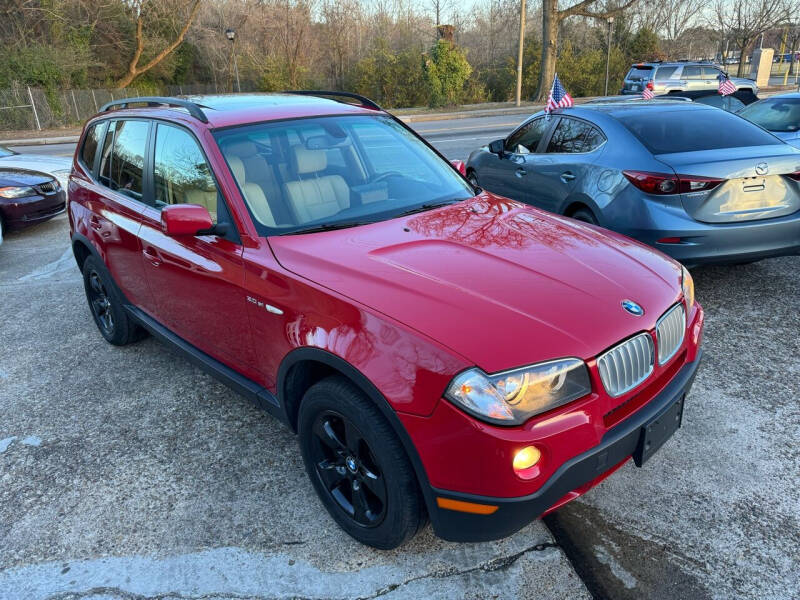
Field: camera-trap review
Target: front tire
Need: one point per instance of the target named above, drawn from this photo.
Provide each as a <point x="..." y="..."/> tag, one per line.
<point x="585" y="215"/>
<point x="106" y="305"/>
<point x="358" y="466"/>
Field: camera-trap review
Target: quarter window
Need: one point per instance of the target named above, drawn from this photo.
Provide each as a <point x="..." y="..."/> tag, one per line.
<point x="526" y="139"/>
<point x="122" y="163"/>
<point x="665" y="73"/>
<point x="90" y="144"/>
<point x="572" y="136"/>
<point x="181" y="174"/>
<point x="692" y="73"/>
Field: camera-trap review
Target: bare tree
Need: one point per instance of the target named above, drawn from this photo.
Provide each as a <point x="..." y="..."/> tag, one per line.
<point x="552" y="18"/>
<point x="149" y="10"/>
<point x="744" y="21"/>
<point x="438" y="7"/>
<point x="678" y="16"/>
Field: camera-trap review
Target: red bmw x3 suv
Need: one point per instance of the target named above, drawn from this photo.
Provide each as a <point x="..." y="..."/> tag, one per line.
<point x="441" y="352"/>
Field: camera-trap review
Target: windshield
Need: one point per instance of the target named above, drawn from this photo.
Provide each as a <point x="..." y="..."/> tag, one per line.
<point x="677" y="130"/>
<point x="339" y="171"/>
<point x="6" y="152"/>
<point x="775" y="114"/>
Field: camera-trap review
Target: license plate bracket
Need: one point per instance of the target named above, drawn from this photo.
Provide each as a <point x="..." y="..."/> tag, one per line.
<point x="658" y="430"/>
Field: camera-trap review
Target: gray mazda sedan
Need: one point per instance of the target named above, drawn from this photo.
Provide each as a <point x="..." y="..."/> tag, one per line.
<point x="698" y="183"/>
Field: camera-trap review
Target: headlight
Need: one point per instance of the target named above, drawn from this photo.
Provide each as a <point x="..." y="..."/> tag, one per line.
<point x="512" y="397"/>
<point x="687" y="283"/>
<point x="16" y="192"/>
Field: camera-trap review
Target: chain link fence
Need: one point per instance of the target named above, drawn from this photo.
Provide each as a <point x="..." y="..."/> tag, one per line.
<point x="27" y="108"/>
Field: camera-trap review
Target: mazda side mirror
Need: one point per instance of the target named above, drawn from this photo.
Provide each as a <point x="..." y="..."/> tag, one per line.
<point x="497" y="147"/>
<point x="460" y="166"/>
<point x="186" y="219"/>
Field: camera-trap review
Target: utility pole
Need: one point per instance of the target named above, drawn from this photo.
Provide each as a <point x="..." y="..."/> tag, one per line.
<point x="608" y="54"/>
<point x="231" y="35"/>
<point x="519" y="55"/>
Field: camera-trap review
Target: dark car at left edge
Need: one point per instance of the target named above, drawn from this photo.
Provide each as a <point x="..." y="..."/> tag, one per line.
<point x="27" y="198"/>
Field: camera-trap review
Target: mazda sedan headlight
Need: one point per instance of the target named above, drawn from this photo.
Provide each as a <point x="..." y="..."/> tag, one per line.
<point x="687" y="283"/>
<point x="512" y="397"/>
<point x="16" y="192"/>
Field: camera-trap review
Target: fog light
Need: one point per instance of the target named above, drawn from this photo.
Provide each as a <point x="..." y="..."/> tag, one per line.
<point x="525" y="460"/>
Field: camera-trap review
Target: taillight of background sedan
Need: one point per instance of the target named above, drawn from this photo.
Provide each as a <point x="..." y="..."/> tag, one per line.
<point x="27" y="198"/>
<point x="698" y="183"/>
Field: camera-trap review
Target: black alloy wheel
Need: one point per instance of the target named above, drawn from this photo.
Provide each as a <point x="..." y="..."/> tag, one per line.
<point x="347" y="469"/>
<point x="358" y="465"/>
<point x="106" y="304"/>
<point x="100" y="302"/>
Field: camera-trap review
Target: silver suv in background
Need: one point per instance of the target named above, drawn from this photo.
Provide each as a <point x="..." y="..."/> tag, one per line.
<point x="671" y="77"/>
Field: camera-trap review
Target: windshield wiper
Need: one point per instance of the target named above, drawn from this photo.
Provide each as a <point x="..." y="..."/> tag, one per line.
<point x="427" y="206"/>
<point x="328" y="227"/>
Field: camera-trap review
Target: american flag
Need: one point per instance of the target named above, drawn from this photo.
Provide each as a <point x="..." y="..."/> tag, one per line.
<point x="647" y="94"/>
<point x="559" y="98"/>
<point x="726" y="86"/>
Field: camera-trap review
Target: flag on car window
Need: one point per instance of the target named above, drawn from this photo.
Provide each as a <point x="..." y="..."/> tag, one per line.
<point x="647" y="94"/>
<point x="559" y="98"/>
<point x="726" y="86"/>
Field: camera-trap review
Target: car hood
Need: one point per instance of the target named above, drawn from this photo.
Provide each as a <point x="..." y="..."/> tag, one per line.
<point x="37" y="162"/>
<point x="9" y="177"/>
<point x="498" y="282"/>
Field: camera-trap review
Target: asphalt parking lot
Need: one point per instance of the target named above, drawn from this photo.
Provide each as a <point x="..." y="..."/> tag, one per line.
<point x="128" y="473"/>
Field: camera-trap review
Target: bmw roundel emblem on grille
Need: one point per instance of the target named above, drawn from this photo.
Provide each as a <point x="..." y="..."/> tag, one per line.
<point x="633" y="308"/>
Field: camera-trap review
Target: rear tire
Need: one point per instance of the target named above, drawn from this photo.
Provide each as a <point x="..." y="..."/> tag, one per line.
<point x="358" y="466"/>
<point x="105" y="303"/>
<point x="585" y="215"/>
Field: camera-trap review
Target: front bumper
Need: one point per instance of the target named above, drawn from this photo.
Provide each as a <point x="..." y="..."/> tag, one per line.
<point x="22" y="212"/>
<point x="572" y="479"/>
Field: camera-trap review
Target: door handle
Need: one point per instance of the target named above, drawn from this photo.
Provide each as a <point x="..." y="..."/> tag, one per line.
<point x="567" y="176"/>
<point x="151" y="255"/>
<point x="520" y="172"/>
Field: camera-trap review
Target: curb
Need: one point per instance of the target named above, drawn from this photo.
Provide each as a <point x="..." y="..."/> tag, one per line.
<point x="69" y="139"/>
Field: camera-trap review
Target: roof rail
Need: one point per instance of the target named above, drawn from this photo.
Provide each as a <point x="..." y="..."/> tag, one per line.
<point x="365" y="102"/>
<point x="194" y="109"/>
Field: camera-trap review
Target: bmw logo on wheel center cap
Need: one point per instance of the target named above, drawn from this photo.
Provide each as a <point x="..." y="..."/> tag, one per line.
<point x="633" y="308"/>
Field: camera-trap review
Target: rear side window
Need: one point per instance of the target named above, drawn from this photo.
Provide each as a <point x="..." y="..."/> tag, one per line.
<point x="692" y="73"/>
<point x="687" y="130"/>
<point x="664" y="73"/>
<point x="122" y="167"/>
<point x="640" y="72"/>
<point x="181" y="174"/>
<point x="526" y="139"/>
<point x="91" y="143"/>
<point x="572" y="136"/>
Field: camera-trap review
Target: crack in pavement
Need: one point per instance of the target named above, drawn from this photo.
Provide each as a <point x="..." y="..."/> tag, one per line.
<point x="500" y="563"/>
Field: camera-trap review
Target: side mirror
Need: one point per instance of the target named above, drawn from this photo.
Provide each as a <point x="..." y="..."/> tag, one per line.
<point x="460" y="166"/>
<point x="497" y="147"/>
<point x="185" y="219"/>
